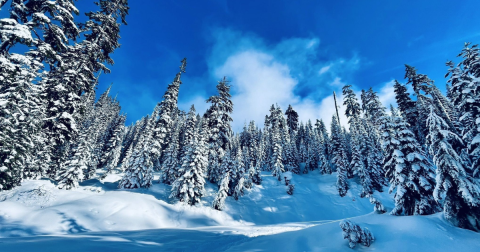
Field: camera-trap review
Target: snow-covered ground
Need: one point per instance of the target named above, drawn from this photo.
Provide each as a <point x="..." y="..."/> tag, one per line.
<point x="98" y="217"/>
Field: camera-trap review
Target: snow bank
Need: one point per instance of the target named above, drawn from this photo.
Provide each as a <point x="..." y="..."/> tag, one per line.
<point x="99" y="217"/>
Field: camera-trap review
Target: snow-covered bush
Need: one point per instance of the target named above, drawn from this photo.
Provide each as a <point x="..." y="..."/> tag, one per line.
<point x="290" y="189"/>
<point x="355" y="234"/>
<point x="378" y="206"/>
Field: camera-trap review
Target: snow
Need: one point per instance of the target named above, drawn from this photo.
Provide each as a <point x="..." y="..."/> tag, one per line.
<point x="97" y="216"/>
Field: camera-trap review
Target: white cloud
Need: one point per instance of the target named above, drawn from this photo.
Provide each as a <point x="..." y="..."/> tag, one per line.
<point x="258" y="81"/>
<point x="289" y="72"/>
<point x="324" y="69"/>
<point x="387" y="94"/>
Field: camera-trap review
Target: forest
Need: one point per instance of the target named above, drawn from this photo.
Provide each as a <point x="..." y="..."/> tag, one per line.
<point x="425" y="149"/>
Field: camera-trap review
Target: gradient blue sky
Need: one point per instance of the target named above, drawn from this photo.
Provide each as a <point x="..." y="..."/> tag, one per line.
<point x="282" y="51"/>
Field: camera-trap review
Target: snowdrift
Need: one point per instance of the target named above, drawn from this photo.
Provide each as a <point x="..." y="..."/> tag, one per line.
<point x="99" y="217"/>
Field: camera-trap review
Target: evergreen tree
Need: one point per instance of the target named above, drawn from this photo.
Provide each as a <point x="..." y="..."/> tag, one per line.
<point x="353" y="113"/>
<point x="276" y="159"/>
<point x="352" y="108"/>
<point x="111" y="155"/>
<point x="355" y="234"/>
<point x="407" y="107"/>
<point x="410" y="173"/>
<point x="238" y="174"/>
<point x="292" y="120"/>
<point x="292" y="158"/>
<point x="340" y="157"/>
<point x="72" y="172"/>
<point x="218" y="120"/>
<point x="461" y="203"/>
<point x="357" y="164"/>
<point x="139" y="167"/>
<point x="372" y="107"/>
<point x="324" y="164"/>
<point x="222" y="194"/>
<point x="189" y="187"/>
<point x="167" y="114"/>
<point x="465" y="92"/>
<point x="389" y="142"/>
<point x="171" y="162"/>
<point x="190" y="127"/>
<point x="421" y="86"/>
<point x="373" y="155"/>
<point x="20" y="114"/>
<point x="72" y="65"/>
<point x="326" y="149"/>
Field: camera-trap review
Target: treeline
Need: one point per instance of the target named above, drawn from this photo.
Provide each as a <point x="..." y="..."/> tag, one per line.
<point x="50" y="124"/>
<point x="426" y="150"/>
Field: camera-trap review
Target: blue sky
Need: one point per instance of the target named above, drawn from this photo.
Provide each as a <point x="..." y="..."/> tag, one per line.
<point x="294" y="52"/>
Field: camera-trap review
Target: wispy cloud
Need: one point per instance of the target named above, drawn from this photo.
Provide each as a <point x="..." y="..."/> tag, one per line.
<point x="293" y="71"/>
<point x="387" y="94"/>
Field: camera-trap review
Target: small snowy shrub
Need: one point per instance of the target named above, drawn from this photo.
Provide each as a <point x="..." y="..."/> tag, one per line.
<point x="355" y="234"/>
<point x="290" y="189"/>
<point x="378" y="206"/>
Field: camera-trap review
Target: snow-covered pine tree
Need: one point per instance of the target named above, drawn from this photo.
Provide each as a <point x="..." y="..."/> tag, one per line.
<point x="139" y="166"/>
<point x="101" y="128"/>
<point x="458" y="189"/>
<point x="253" y="143"/>
<point x="167" y="114"/>
<point x="373" y="108"/>
<point x="466" y="90"/>
<point x="373" y="155"/>
<point x="171" y="160"/>
<point x="73" y="67"/>
<point x="292" y="120"/>
<point x="352" y="107"/>
<point x="190" y="127"/>
<point x="72" y="172"/>
<point x="348" y="147"/>
<point x="312" y="157"/>
<point x="299" y="137"/>
<point x="389" y="142"/>
<point x="238" y="174"/>
<point x="421" y="86"/>
<point x="249" y="170"/>
<point x="410" y="173"/>
<point x="407" y="107"/>
<point x="339" y="157"/>
<point x="222" y="194"/>
<point x="139" y="170"/>
<point x="20" y="114"/>
<point x="132" y="139"/>
<point x="323" y="165"/>
<point x="326" y="149"/>
<point x="357" y="164"/>
<point x="189" y="187"/>
<point x="111" y="154"/>
<point x="16" y="31"/>
<point x="276" y="158"/>
<point x="265" y="150"/>
<point x="218" y="120"/>
<point x="289" y="152"/>
<point x="302" y="152"/>
<point x="72" y="64"/>
<point x="355" y="234"/>
<point x="291" y="163"/>
<point x="353" y="113"/>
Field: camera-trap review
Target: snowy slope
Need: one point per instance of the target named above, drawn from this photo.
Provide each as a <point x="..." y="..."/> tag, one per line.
<point x="97" y="216"/>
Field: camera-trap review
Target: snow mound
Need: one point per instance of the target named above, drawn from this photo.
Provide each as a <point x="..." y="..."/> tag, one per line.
<point x="99" y="217"/>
